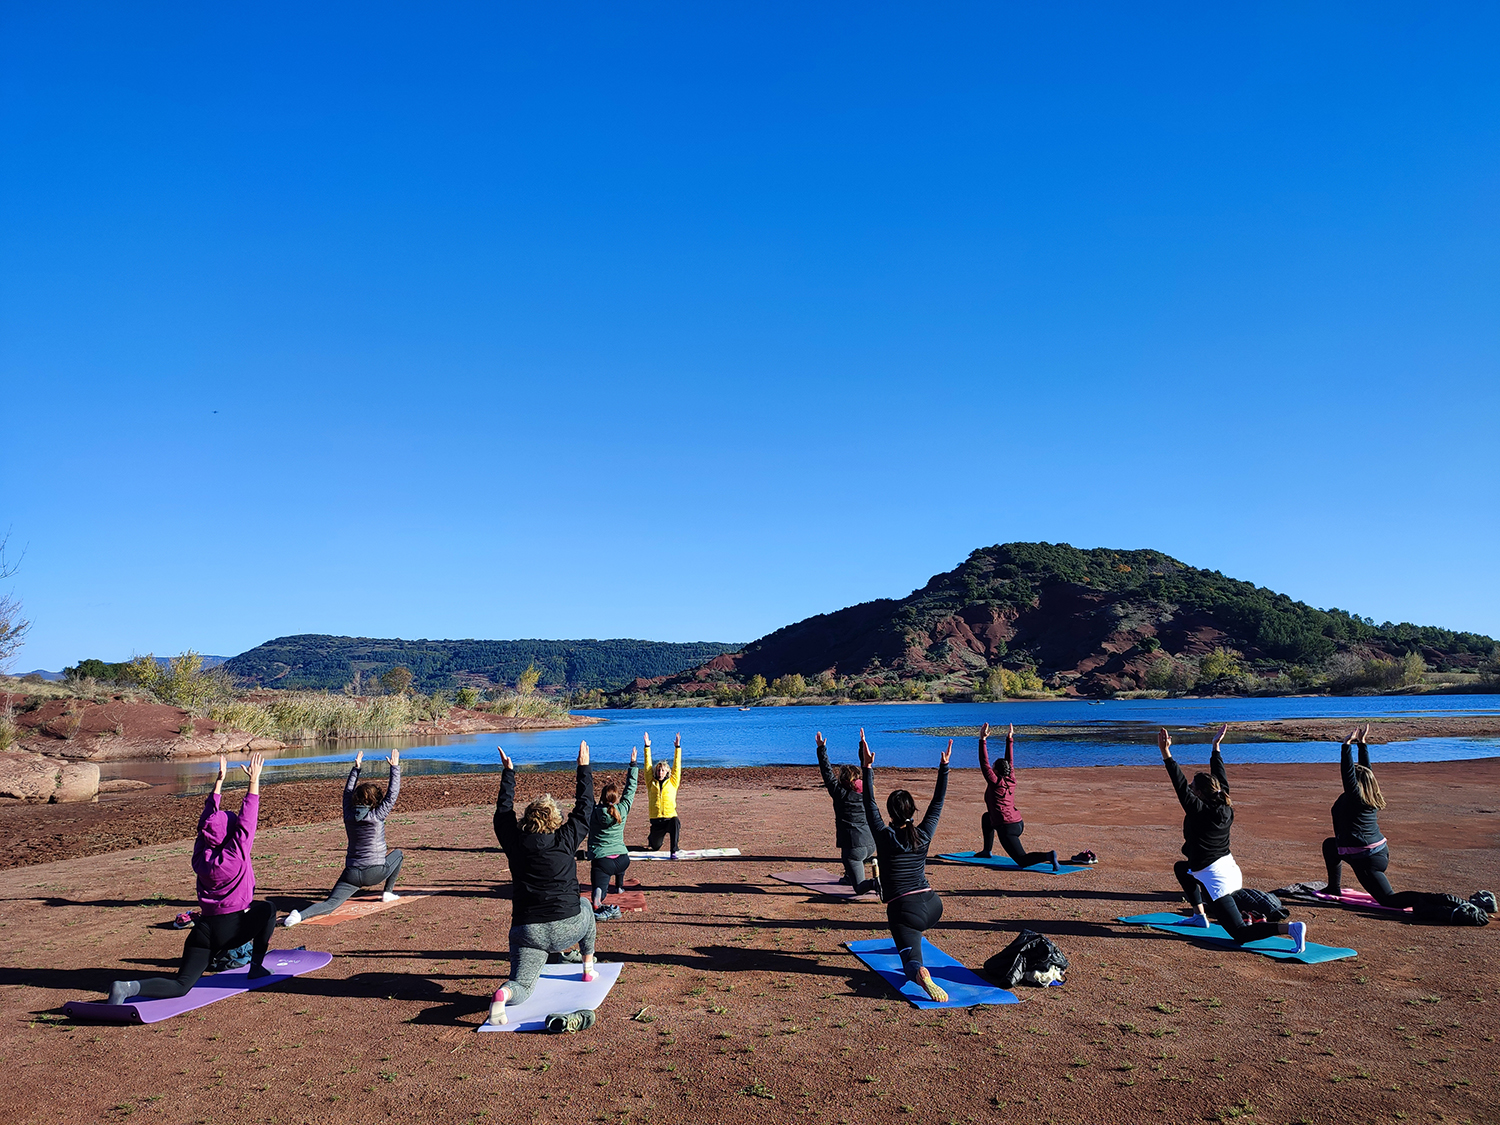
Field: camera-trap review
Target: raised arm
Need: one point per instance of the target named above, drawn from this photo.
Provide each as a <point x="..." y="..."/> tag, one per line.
<point x="677" y="762"/>
<point x="383" y="809"/>
<point x="823" y="767"/>
<point x="1363" y="738"/>
<point x="1216" y="760"/>
<point x="1010" y="753"/>
<point x="867" y="771"/>
<point x="245" y="824"/>
<point x="1346" y="766"/>
<point x="505" y="801"/>
<point x="352" y="781"/>
<point x="929" y="824"/>
<point x="628" y="797"/>
<point x="1185" y="795"/>
<point x="984" y="756"/>
<point x="576" y="830"/>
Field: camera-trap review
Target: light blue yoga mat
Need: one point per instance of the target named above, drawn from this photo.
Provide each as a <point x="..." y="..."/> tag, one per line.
<point x="1005" y="863"/>
<point x="1278" y="948"/>
<point x="963" y="987"/>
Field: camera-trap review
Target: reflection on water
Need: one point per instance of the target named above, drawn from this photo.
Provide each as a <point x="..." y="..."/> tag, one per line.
<point x="1074" y="733"/>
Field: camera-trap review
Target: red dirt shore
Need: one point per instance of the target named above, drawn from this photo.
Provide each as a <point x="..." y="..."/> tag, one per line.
<point x="750" y="1009"/>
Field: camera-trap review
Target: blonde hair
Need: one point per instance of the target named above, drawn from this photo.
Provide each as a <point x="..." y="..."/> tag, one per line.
<point x="542" y="815"/>
<point x="1369" y="788"/>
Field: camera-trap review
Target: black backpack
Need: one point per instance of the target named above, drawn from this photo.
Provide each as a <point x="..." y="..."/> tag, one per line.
<point x="1259" y="905"/>
<point x="1029" y="958"/>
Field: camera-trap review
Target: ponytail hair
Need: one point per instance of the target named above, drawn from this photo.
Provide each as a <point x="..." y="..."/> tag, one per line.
<point x="903" y="810"/>
<point x="1206" y="785"/>
<point x="608" y="796"/>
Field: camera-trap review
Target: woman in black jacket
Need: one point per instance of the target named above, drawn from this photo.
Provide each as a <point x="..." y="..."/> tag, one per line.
<point x="1357" y="841"/>
<point x="851" y="829"/>
<point x="911" y="905"/>
<point x="1209" y="875"/>
<point x="547" y="914"/>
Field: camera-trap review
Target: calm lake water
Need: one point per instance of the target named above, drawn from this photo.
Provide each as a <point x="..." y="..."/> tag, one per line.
<point x="1116" y="732"/>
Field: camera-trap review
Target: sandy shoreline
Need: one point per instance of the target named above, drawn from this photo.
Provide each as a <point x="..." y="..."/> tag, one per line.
<point x="756" y="1012"/>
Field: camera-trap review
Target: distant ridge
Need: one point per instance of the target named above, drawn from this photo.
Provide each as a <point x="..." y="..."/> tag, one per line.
<point x="317" y="661"/>
<point x="1083" y="622"/>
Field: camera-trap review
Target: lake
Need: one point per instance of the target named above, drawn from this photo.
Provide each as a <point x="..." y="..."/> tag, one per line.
<point x="1072" y="733"/>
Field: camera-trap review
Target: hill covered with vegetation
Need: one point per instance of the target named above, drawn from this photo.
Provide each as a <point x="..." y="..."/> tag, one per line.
<point x="1030" y="619"/>
<point x="312" y="660"/>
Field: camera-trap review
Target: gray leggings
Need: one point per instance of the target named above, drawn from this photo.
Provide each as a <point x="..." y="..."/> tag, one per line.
<point x="529" y="946"/>
<point x="854" y="867"/>
<point x="354" y="879"/>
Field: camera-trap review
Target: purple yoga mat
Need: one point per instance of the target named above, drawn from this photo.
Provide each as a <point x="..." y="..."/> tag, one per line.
<point x="1358" y="898"/>
<point x="283" y="963"/>
<point x="824" y="883"/>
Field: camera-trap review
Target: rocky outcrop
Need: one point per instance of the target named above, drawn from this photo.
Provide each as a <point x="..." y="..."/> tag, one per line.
<point x="33" y="777"/>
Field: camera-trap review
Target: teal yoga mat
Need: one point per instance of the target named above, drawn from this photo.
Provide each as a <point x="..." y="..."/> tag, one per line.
<point x="963" y="987"/>
<point x="1278" y="948"/>
<point x="1005" y="863"/>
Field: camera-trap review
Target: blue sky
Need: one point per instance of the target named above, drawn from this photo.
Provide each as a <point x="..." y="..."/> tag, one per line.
<point x="688" y="321"/>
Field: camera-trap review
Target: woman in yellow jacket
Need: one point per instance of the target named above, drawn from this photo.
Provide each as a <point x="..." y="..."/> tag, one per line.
<point x="661" y="793"/>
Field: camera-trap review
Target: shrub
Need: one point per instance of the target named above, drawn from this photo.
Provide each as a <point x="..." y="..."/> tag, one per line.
<point x="792" y="686"/>
<point x="756" y="688"/>
<point x="1413" y="668"/>
<point x="527" y="681"/>
<point x="1220" y="663"/>
<point x="397" y="681"/>
<point x="466" y="697"/>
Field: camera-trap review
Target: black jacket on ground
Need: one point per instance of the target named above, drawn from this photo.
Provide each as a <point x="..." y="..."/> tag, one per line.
<point x="1205" y="828"/>
<point x="903" y="869"/>
<point x="1354" y="822"/>
<point x="543" y="867"/>
<point x="851" y="829"/>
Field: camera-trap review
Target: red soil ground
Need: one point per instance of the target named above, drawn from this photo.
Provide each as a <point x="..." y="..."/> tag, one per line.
<point x="749" y="1009"/>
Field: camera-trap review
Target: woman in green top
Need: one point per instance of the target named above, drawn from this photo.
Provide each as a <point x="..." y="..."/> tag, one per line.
<point x="608" y="856"/>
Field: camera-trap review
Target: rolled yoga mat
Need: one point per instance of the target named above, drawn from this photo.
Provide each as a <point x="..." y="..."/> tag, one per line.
<point x="561" y="989"/>
<point x="823" y="882"/>
<point x="1277" y="948"/>
<point x="1005" y="863"/>
<point x="687" y="853"/>
<point x="283" y="963"/>
<point x="963" y="986"/>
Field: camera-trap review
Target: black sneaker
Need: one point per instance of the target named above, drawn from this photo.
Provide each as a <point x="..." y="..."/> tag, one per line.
<point x="570" y="1022"/>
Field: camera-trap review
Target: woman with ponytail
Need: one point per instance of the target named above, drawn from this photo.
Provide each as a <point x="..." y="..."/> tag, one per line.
<point x="608" y="855"/>
<point x="1209" y="875"/>
<point x="911" y="905"/>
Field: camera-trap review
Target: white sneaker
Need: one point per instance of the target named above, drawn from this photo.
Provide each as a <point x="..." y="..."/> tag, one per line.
<point x="291" y="919"/>
<point x="1299" y="935"/>
<point x="390" y="896"/>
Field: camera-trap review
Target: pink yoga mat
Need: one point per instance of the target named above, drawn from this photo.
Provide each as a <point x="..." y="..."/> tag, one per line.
<point x="361" y="907"/>
<point x="1357" y="898"/>
<point x="824" y="883"/>
<point x="283" y="963"/>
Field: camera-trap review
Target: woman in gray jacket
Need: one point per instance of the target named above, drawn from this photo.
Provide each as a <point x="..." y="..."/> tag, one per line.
<point x="851" y="830"/>
<point x="366" y="863"/>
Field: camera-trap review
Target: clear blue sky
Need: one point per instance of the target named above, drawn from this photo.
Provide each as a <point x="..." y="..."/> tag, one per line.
<point x="687" y="321"/>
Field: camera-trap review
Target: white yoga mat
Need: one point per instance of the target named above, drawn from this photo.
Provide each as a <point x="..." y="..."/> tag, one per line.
<point x="693" y="853"/>
<point x="561" y="989"/>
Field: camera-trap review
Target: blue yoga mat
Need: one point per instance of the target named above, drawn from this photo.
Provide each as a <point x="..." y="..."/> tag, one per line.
<point x="1278" y="948"/>
<point x="1005" y="863"/>
<point x="964" y="988"/>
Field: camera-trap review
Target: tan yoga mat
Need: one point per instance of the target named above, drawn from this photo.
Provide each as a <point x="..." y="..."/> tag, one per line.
<point x="632" y="898"/>
<point x="362" y="907"/>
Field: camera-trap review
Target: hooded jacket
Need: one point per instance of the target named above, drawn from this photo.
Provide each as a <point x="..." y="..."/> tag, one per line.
<point x="1205" y="828"/>
<point x="221" y="855"/>
<point x="365" y="826"/>
<point x="851" y="829"/>
<point x="543" y="869"/>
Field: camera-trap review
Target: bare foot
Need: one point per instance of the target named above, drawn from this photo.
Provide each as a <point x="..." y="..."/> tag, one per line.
<point x="930" y="986"/>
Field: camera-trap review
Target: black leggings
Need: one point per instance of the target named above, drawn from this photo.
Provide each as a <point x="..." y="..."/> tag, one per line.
<point x="605" y="868"/>
<point x="355" y="879"/>
<point x="1369" y="869"/>
<point x="1010" y="839"/>
<point x="1225" y="910"/>
<point x="908" y="916"/>
<point x="212" y="934"/>
<point x="661" y="827"/>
